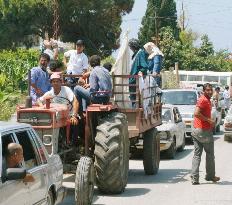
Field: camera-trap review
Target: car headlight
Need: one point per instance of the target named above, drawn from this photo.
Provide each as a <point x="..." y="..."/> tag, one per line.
<point x="47" y="140"/>
<point x="163" y="135"/>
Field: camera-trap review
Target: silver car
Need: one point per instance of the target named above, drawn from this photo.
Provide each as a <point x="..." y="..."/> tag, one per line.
<point x="185" y="100"/>
<point x="46" y="170"/>
<point x="172" y="131"/>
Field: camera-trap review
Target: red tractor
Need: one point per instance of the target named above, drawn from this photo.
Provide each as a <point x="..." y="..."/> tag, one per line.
<point x="110" y="132"/>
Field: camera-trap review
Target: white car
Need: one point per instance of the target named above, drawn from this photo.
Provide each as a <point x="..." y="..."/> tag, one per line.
<point x="46" y="170"/>
<point x="185" y="100"/>
<point x="172" y="131"/>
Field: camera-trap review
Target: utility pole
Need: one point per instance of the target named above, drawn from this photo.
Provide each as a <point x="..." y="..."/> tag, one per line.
<point x="56" y="20"/>
<point x="156" y="28"/>
<point x="183" y="17"/>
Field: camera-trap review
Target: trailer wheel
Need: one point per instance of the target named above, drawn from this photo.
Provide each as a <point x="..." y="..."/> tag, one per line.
<point x="112" y="154"/>
<point x="151" y="152"/>
<point x="84" y="182"/>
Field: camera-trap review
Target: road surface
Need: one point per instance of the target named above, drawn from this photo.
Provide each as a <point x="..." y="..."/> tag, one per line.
<point x="172" y="184"/>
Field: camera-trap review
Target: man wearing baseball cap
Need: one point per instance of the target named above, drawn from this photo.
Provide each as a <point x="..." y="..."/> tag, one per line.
<point x="62" y="95"/>
<point x="78" y="61"/>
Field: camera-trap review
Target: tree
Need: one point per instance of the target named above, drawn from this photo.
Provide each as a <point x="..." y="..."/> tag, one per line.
<point x="206" y="48"/>
<point x="19" y="20"/>
<point x="159" y="14"/>
<point x="97" y="22"/>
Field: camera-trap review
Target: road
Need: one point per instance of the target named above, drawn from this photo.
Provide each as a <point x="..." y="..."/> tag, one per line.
<point x="172" y="184"/>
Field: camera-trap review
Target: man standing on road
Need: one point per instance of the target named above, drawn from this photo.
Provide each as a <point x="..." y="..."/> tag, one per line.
<point x="203" y="137"/>
<point x="226" y="96"/>
<point x="40" y="78"/>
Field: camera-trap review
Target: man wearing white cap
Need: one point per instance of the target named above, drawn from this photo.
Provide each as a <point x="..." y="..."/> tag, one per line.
<point x="155" y="60"/>
<point x="62" y="95"/>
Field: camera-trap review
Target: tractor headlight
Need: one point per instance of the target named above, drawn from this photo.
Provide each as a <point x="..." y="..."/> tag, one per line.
<point x="163" y="135"/>
<point x="47" y="140"/>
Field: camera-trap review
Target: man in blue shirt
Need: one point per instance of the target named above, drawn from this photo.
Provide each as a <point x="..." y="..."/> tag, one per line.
<point x="100" y="86"/>
<point x="140" y="64"/>
<point x="40" y="82"/>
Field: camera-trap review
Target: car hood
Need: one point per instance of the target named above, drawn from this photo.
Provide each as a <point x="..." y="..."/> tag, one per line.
<point x="166" y="126"/>
<point x="186" y="109"/>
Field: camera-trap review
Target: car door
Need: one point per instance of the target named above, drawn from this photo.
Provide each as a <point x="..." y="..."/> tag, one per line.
<point x="34" y="164"/>
<point x="13" y="192"/>
<point x="180" y="127"/>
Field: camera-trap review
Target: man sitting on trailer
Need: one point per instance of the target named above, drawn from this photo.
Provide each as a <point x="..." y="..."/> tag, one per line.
<point x="100" y="85"/>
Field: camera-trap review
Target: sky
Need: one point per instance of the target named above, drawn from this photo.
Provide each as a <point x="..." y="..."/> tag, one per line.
<point x="211" y="17"/>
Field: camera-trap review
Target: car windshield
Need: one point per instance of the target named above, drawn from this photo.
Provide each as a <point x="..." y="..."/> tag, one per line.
<point x="166" y="114"/>
<point x="179" y="97"/>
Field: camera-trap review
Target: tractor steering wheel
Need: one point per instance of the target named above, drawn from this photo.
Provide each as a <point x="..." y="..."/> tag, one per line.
<point x="69" y="102"/>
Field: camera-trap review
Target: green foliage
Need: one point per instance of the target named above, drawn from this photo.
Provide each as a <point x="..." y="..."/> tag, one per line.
<point x="20" y="20"/>
<point x="14" y="66"/>
<point x="189" y="56"/>
<point x="165" y="11"/>
<point x="8" y="102"/>
<point x="96" y="22"/>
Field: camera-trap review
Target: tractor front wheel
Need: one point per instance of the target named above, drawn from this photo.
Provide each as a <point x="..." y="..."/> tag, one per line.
<point x="112" y="154"/>
<point x="84" y="182"/>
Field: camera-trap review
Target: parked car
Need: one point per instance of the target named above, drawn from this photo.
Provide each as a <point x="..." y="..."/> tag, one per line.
<point x="172" y="131"/>
<point x="228" y="126"/>
<point x="185" y="100"/>
<point x="46" y="170"/>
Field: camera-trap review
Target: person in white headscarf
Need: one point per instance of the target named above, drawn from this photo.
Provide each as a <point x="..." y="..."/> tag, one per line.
<point x="155" y="60"/>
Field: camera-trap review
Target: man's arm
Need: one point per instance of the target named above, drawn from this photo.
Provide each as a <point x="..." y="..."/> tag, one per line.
<point x="93" y="81"/>
<point x="74" y="118"/>
<point x="198" y="114"/>
<point x="33" y="82"/>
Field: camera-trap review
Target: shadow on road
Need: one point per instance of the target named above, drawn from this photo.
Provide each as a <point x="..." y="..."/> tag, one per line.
<point x="173" y="176"/>
<point x="129" y="192"/>
<point x="179" y="155"/>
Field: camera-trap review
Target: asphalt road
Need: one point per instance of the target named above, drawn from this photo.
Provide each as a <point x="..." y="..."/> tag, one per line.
<point x="172" y="184"/>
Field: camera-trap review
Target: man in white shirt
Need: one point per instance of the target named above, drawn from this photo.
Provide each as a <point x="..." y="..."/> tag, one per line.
<point x="62" y="95"/>
<point x="78" y="61"/>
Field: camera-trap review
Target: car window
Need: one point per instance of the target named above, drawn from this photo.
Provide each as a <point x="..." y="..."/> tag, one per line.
<point x="179" y="97"/>
<point x="39" y="146"/>
<point x="166" y="115"/>
<point x="30" y="153"/>
<point x="6" y="139"/>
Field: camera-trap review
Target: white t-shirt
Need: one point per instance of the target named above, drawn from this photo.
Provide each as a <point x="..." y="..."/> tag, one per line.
<point x="77" y="62"/>
<point x="66" y="96"/>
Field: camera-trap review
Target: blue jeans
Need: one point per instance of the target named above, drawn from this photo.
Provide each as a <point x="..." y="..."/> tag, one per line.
<point x="83" y="95"/>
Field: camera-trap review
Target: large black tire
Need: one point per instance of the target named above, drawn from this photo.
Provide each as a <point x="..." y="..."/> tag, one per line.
<point x="112" y="154"/>
<point x="171" y="152"/>
<point x="84" y="182"/>
<point x="50" y="198"/>
<point x="151" y="152"/>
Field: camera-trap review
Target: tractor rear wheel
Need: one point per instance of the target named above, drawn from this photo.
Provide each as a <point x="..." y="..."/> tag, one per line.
<point x="151" y="152"/>
<point x="112" y="154"/>
<point x="84" y="182"/>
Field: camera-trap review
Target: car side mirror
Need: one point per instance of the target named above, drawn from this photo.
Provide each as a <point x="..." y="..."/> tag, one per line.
<point x="15" y="173"/>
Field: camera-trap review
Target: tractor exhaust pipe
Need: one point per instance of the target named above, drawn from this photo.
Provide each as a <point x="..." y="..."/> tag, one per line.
<point x="28" y="103"/>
